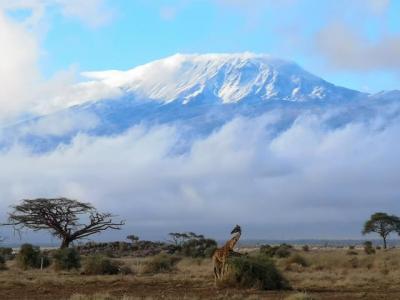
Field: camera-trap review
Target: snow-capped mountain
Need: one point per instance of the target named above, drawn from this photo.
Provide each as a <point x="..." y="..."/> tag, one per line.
<point x="228" y="78"/>
<point x="198" y="94"/>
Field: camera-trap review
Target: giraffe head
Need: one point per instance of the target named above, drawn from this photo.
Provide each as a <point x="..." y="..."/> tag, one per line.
<point x="236" y="232"/>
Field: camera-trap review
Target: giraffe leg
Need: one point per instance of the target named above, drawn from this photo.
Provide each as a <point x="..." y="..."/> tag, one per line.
<point x="223" y="268"/>
<point x="217" y="269"/>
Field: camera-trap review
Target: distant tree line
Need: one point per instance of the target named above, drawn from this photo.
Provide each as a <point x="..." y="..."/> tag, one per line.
<point x="71" y="220"/>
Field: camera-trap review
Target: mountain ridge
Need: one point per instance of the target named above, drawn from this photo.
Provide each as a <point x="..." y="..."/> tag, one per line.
<point x="228" y="78"/>
<point x="198" y="93"/>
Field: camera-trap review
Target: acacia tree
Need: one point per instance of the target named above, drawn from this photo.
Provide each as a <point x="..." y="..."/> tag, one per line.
<point x="133" y="238"/>
<point x="67" y="219"/>
<point x="383" y="224"/>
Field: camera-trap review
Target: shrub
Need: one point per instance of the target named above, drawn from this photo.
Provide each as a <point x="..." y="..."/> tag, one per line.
<point x="99" y="265"/>
<point x="125" y="270"/>
<point x="67" y="259"/>
<point x="161" y="263"/>
<point x="351" y="252"/>
<point x="199" y="247"/>
<point x="280" y="251"/>
<point x="297" y="259"/>
<point x="305" y="248"/>
<point x="368" y="248"/>
<point x="2" y="263"/>
<point x="7" y="253"/>
<point x="256" y="272"/>
<point x="267" y="250"/>
<point x="30" y="256"/>
<point x="351" y="247"/>
<point x="191" y="244"/>
<point x="210" y="251"/>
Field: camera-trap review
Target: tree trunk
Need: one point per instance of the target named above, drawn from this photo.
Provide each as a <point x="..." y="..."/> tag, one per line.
<point x="384" y="242"/>
<point x="65" y="242"/>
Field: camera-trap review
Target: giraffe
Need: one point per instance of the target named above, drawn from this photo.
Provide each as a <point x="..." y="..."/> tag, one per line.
<point x="222" y="254"/>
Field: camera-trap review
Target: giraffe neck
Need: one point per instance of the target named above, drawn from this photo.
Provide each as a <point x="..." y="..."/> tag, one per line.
<point x="232" y="242"/>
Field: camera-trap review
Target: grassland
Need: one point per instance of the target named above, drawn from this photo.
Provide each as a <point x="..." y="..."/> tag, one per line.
<point x="317" y="274"/>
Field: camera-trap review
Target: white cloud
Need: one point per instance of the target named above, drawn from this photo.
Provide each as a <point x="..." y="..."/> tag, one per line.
<point x="243" y="173"/>
<point x="60" y="124"/>
<point x="378" y="6"/>
<point x="19" y="72"/>
<point x="24" y="90"/>
<point x="346" y="48"/>
<point x="168" y="13"/>
<point x="95" y="13"/>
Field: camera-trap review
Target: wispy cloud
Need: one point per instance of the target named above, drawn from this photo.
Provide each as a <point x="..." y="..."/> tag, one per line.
<point x="346" y="48"/>
<point x="94" y="13"/>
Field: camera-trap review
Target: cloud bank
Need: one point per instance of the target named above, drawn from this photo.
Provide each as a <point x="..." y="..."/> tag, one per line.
<point x="276" y="185"/>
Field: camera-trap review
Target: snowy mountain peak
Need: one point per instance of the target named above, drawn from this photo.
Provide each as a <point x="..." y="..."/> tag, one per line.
<point x="228" y="78"/>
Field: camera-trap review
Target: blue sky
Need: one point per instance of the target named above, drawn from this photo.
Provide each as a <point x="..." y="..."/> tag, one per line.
<point x="280" y="185"/>
<point x="133" y="32"/>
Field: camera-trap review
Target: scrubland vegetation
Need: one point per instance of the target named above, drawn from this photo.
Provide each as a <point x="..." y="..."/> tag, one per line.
<point x="181" y="268"/>
<point x="301" y="273"/>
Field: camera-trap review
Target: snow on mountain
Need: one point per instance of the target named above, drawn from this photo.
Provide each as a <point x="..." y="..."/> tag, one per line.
<point x="198" y="94"/>
<point x="228" y="78"/>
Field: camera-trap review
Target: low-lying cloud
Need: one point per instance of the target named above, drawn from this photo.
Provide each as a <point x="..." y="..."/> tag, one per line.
<point x="275" y="185"/>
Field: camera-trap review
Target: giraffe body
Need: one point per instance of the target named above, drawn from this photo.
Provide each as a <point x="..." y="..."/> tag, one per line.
<point x="221" y="255"/>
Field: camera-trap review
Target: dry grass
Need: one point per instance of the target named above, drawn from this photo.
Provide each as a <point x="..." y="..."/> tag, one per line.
<point x="336" y="269"/>
<point x="299" y="296"/>
<point x="328" y="274"/>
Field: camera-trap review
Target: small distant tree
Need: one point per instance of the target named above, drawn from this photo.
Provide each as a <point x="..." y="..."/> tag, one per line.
<point x="179" y="238"/>
<point x="67" y="219"/>
<point x="382" y="224"/>
<point x="133" y="238"/>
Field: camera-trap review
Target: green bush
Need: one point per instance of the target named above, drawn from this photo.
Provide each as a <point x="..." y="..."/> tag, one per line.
<point x="281" y="251"/>
<point x="6" y="253"/>
<point x="161" y="263"/>
<point x="191" y="244"/>
<point x="368" y="248"/>
<point x="256" y="272"/>
<point x="199" y="247"/>
<point x="2" y="263"/>
<point x="29" y="256"/>
<point x="67" y="259"/>
<point x="99" y="265"/>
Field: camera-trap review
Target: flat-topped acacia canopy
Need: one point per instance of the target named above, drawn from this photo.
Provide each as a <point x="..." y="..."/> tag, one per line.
<point x="65" y="218"/>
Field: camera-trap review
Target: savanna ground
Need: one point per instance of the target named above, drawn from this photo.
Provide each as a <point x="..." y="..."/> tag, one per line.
<point x="323" y="274"/>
